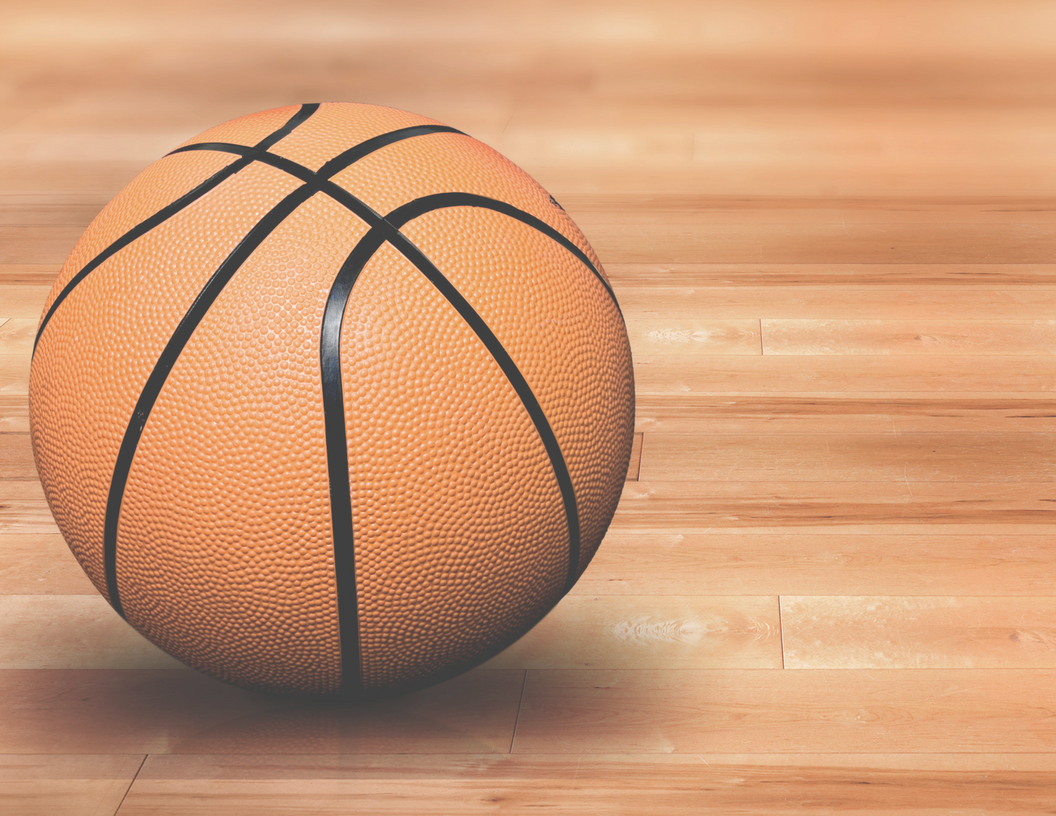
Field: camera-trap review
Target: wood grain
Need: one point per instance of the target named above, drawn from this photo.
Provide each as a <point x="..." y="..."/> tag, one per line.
<point x="671" y="631"/>
<point x="691" y="294"/>
<point x="26" y="275"/>
<point x="690" y="337"/>
<point x="50" y="209"/>
<point x="14" y="413"/>
<point x="840" y="375"/>
<point x="586" y="784"/>
<point x="884" y="632"/>
<point x="66" y="785"/>
<point x="689" y="237"/>
<point x="40" y="564"/>
<point x="72" y="632"/>
<point x="14" y="375"/>
<point x="1022" y="338"/>
<point x="981" y="508"/>
<point x="850" y="457"/>
<point x="95" y="711"/>
<point x="16" y="457"/>
<point x="885" y="414"/>
<point x="37" y="245"/>
<point x="822" y="562"/>
<point x="815" y="282"/>
<point x="16" y="336"/>
<point x="23" y="300"/>
<point x="23" y="508"/>
<point x="804" y="711"/>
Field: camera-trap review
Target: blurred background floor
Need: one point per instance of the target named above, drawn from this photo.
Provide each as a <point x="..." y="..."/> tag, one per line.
<point x="830" y="585"/>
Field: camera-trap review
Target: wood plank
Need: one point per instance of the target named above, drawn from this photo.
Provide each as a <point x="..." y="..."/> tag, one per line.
<point x="867" y="299"/>
<point x="16" y="457"/>
<point x="894" y="414"/>
<point x="819" y="73"/>
<point x="917" y="784"/>
<point x="37" y="245"/>
<point x="14" y="413"/>
<point x="40" y="564"/>
<point x="956" y="280"/>
<point x="885" y="632"/>
<point x="827" y="376"/>
<point x="23" y="508"/>
<point x="850" y="457"/>
<point x="26" y="275"/>
<point x="805" y="711"/>
<point x="1019" y="338"/>
<point x="687" y="337"/>
<point x="16" y="336"/>
<point x="809" y="210"/>
<point x="677" y="31"/>
<point x="87" y="144"/>
<point x="50" y="209"/>
<point x="720" y="175"/>
<point x="72" y="632"/>
<point x="794" y="150"/>
<point x="690" y="238"/>
<point x="14" y="375"/>
<point x="34" y="176"/>
<point x="671" y="632"/>
<point x="24" y="300"/>
<point x="83" y="711"/>
<point x="824" y="562"/>
<point x="990" y="508"/>
<point x="67" y="785"/>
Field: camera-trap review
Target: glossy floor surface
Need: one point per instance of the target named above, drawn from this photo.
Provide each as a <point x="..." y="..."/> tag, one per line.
<point x="830" y="586"/>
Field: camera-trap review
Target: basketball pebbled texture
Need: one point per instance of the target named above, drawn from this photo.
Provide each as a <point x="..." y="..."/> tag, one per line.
<point x="332" y="400"/>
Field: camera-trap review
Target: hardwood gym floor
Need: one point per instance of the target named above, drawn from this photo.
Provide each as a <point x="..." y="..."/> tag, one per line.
<point x="831" y="582"/>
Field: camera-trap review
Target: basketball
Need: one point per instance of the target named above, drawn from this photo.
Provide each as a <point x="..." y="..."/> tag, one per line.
<point x="332" y="400"/>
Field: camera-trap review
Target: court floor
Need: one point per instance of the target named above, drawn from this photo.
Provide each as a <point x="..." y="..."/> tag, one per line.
<point x="829" y="584"/>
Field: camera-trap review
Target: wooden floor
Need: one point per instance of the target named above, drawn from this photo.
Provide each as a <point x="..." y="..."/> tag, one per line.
<point x="830" y="586"/>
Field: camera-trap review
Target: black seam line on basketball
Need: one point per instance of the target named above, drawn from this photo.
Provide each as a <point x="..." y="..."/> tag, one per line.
<point x="300" y="172"/>
<point x="332" y="167"/>
<point x="149" y="395"/>
<point x="303" y="115"/>
<point x="337" y="455"/>
<point x="524" y="391"/>
<point x="337" y="442"/>
<point x="213" y="287"/>
<point x="438" y="201"/>
<point x="412" y="209"/>
<point x="168" y="211"/>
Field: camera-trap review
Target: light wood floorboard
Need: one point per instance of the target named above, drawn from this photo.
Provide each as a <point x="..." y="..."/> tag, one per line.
<point x="835" y="456"/>
<point x="825" y="561"/>
<point x="586" y="784"/>
<point x="121" y="711"/>
<point x="802" y="711"/>
<point x="889" y="632"/>
<point x="66" y="784"/>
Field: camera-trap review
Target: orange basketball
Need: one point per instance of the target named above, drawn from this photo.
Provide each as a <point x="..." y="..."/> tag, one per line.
<point x="332" y="400"/>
